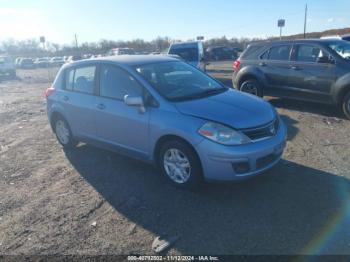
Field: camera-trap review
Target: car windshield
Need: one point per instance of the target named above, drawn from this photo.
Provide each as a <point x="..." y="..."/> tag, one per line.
<point x="188" y="54"/>
<point x="178" y="81"/>
<point x="342" y="48"/>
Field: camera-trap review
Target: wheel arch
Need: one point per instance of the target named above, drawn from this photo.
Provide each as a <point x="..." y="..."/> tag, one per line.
<point x="340" y="94"/>
<point x="250" y="72"/>
<point x="170" y="137"/>
<point x="53" y="117"/>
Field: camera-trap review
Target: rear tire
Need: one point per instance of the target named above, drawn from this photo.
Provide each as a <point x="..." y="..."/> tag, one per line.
<point x="180" y="164"/>
<point x="63" y="133"/>
<point x="346" y="105"/>
<point x="251" y="86"/>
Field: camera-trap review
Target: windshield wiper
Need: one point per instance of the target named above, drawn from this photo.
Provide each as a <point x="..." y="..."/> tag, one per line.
<point x="203" y="94"/>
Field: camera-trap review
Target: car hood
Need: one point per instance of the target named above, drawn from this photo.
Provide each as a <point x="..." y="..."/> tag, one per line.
<point x="232" y="108"/>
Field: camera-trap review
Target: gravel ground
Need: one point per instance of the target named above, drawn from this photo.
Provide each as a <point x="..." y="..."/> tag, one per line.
<point x="91" y="201"/>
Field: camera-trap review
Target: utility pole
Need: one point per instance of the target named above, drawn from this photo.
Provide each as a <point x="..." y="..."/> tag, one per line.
<point x="76" y="40"/>
<point x="305" y="21"/>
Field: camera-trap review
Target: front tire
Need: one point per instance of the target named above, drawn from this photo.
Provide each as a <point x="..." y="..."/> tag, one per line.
<point x="180" y="164"/>
<point x="346" y="105"/>
<point x="251" y="86"/>
<point x="63" y="133"/>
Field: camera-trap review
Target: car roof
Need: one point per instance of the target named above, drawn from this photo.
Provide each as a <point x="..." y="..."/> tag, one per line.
<point x="130" y="60"/>
<point x="311" y="40"/>
<point x="185" y="44"/>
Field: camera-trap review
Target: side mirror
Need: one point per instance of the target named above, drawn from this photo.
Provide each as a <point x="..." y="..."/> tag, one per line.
<point x="135" y="101"/>
<point x="325" y="60"/>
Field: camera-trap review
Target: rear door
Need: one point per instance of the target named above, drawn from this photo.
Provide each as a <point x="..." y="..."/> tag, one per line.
<point x="118" y="124"/>
<point x="275" y="64"/>
<point x="309" y="77"/>
<point x="78" y="100"/>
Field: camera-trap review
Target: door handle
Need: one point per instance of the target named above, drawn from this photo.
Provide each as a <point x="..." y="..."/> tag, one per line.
<point x="101" y="106"/>
<point x="262" y="64"/>
<point x="295" y="68"/>
<point x="65" y="98"/>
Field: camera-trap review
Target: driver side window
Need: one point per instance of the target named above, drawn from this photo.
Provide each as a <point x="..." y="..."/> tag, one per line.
<point x="116" y="83"/>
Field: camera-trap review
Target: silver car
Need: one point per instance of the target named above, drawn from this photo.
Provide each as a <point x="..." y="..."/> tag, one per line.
<point x="164" y="111"/>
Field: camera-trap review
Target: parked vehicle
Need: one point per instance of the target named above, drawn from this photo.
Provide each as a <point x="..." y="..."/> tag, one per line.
<point x="74" y="58"/>
<point x="121" y="51"/>
<point x="161" y="110"/>
<point x="314" y="70"/>
<point x="221" y="53"/>
<point x="26" y="63"/>
<point x="57" y="61"/>
<point x="7" y="67"/>
<point x="42" y="62"/>
<point x="191" y="52"/>
<point x="341" y="37"/>
<point x="17" y="62"/>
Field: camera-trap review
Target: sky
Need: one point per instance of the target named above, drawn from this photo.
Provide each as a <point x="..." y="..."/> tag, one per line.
<point x="93" y="20"/>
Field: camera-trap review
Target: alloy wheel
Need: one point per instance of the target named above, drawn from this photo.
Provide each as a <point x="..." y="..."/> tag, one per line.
<point x="177" y="166"/>
<point x="62" y="132"/>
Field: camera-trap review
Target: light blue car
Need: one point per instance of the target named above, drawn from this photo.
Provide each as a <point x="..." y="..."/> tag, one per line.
<point x="164" y="111"/>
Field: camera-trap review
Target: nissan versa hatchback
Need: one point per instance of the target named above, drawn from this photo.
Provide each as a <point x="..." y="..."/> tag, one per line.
<point x="164" y="111"/>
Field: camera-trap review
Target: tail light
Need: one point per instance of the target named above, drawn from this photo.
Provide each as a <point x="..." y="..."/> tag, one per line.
<point x="236" y="65"/>
<point x="49" y="91"/>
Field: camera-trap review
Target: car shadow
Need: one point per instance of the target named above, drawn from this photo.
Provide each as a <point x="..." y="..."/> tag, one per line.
<point x="292" y="129"/>
<point x="307" y="107"/>
<point x="291" y="209"/>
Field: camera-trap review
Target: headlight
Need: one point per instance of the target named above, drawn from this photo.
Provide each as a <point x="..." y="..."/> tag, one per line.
<point x="223" y="134"/>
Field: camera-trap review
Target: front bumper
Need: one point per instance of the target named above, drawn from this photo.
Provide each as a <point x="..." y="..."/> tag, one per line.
<point x="232" y="163"/>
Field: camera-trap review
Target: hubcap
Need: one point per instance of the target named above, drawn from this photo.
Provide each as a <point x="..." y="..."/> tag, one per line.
<point x="62" y="132"/>
<point x="249" y="88"/>
<point x="177" y="166"/>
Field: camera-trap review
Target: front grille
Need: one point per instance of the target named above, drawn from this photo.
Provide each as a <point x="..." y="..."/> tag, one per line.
<point x="262" y="132"/>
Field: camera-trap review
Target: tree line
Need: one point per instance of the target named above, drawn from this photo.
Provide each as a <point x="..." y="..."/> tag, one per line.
<point x="33" y="47"/>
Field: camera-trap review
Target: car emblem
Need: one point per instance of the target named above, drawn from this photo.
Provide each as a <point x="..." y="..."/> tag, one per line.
<point x="272" y="129"/>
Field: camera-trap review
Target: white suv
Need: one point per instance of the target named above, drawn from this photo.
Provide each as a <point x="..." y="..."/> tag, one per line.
<point x="7" y="66"/>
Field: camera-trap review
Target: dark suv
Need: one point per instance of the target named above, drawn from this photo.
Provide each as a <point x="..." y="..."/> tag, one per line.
<point x="315" y="70"/>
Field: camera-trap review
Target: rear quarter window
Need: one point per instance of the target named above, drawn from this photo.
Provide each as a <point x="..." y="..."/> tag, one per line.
<point x="251" y="52"/>
<point x="59" y="80"/>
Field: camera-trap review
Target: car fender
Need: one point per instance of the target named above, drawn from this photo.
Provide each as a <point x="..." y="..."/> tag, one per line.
<point x="167" y="124"/>
<point x="251" y="71"/>
<point x="57" y="108"/>
<point x="342" y="84"/>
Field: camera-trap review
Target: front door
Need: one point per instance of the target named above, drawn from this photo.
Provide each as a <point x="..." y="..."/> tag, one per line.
<point x="311" y="76"/>
<point x="119" y="125"/>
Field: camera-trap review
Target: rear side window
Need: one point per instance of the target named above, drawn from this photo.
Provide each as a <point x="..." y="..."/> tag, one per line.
<point x="69" y="80"/>
<point x="308" y="53"/>
<point x="280" y="53"/>
<point x="81" y="79"/>
<point x="116" y="83"/>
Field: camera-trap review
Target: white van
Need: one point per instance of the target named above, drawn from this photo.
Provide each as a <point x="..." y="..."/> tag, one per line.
<point x="191" y="52"/>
